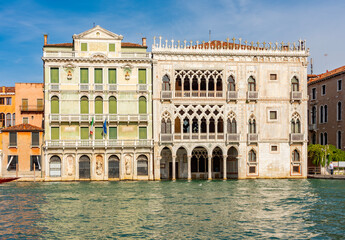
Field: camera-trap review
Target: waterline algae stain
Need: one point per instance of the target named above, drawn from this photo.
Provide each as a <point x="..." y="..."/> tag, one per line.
<point x="282" y="209"/>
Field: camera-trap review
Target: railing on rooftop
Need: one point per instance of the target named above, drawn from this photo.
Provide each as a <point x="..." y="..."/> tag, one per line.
<point x="99" y="143"/>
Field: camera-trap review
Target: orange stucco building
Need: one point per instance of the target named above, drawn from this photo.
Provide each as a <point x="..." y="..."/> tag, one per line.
<point x="7" y="109"/>
<point x="22" y="151"/>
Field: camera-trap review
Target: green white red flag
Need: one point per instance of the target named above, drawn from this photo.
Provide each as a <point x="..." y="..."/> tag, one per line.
<point x="91" y="129"/>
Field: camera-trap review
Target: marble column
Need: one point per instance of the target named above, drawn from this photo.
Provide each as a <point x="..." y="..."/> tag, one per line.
<point x="209" y="167"/>
<point x="224" y="167"/>
<point x="173" y="167"/>
<point x="189" y="159"/>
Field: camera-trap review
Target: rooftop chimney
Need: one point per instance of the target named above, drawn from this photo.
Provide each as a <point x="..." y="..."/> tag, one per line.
<point x="144" y="41"/>
<point x="45" y="39"/>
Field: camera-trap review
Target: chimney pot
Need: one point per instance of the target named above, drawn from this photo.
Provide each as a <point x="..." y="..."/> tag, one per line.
<point x="45" y="39"/>
<point x="144" y="41"/>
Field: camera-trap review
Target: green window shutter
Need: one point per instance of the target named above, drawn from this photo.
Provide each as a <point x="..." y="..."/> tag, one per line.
<point x="84" y="133"/>
<point x="54" y="105"/>
<point x="142" y="133"/>
<point x="98" y="133"/>
<point x="112" y="132"/>
<point x="84" y="105"/>
<point x="54" y="75"/>
<point x="55" y="131"/>
<point x="111" y="47"/>
<point x="112" y="76"/>
<point x="142" y="105"/>
<point x="98" y="75"/>
<point x="84" y="47"/>
<point x="84" y="75"/>
<point x="112" y="105"/>
<point x="142" y="76"/>
<point x="99" y="105"/>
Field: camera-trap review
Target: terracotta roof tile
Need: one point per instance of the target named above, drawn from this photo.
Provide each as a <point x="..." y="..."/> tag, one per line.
<point x="7" y="89"/>
<point x="128" y="44"/>
<point x="326" y="75"/>
<point x="22" y="128"/>
<point x="59" y="45"/>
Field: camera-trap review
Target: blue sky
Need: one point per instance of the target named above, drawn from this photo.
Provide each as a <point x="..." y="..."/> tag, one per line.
<point x="23" y="23"/>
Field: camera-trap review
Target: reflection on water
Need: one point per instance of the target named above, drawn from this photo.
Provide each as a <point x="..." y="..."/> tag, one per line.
<point x="173" y="210"/>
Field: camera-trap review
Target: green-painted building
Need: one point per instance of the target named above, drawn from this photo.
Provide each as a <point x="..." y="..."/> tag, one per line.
<point x="98" y="108"/>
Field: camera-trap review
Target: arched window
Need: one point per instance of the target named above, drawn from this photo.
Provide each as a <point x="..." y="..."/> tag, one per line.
<point x="326" y="114"/>
<point x="98" y="105"/>
<point x="195" y="84"/>
<point x="165" y="83"/>
<point x="295" y="125"/>
<point x="294" y="84"/>
<point x="252" y="125"/>
<point x="163" y="126"/>
<point x="2" y="119"/>
<point x="321" y="114"/>
<point x="220" y="125"/>
<point x="55" y="166"/>
<point x="219" y="84"/>
<point x="251" y="84"/>
<point x="211" y="84"/>
<point x="54" y="101"/>
<point x="295" y="156"/>
<point x="142" y="105"/>
<point x="13" y="119"/>
<point x="84" y="167"/>
<point x="114" y="167"/>
<point x="84" y="105"/>
<point x="231" y="84"/>
<point x="112" y="105"/>
<point x="232" y="126"/>
<point x="8" y="119"/>
<point x="186" y="84"/>
<point x="177" y="125"/>
<point x="339" y="111"/>
<point x="321" y="139"/>
<point x="186" y="125"/>
<point x="252" y="156"/>
<point x="203" y="125"/>
<point x="211" y="126"/>
<point x="313" y="115"/>
<point x="313" y="138"/>
<point x="142" y="166"/>
<point x="203" y="83"/>
<point x="339" y="139"/>
<point x="325" y="140"/>
<point x="178" y="84"/>
<point x="168" y="126"/>
<point x="195" y="125"/>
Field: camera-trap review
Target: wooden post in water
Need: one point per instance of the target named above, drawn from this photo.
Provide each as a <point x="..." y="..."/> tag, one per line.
<point x="34" y="172"/>
<point x="17" y="169"/>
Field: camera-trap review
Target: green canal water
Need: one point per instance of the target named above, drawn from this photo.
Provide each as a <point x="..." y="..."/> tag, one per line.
<point x="247" y="209"/>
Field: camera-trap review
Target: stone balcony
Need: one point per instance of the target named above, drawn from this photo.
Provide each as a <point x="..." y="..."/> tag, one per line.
<point x="231" y="96"/>
<point x="198" y="94"/>
<point x="166" y="138"/>
<point x="296" y="138"/>
<point x="296" y="96"/>
<point x="166" y="95"/>
<point x="252" y="138"/>
<point x="199" y="136"/>
<point x="98" y="143"/>
<point x="252" y="96"/>
<point x="232" y="138"/>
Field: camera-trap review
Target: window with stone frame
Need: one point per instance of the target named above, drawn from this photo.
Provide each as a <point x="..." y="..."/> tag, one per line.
<point x="339" y="85"/>
<point x="296" y="162"/>
<point x="13" y="139"/>
<point x="12" y="163"/>
<point x="35" y="163"/>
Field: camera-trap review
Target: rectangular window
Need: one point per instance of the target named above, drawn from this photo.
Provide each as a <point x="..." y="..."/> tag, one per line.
<point x="112" y="76"/>
<point x="35" y="139"/>
<point x="112" y="132"/>
<point x="274" y="148"/>
<point x="83" y="47"/>
<point x="12" y="162"/>
<point x="142" y="133"/>
<point x="8" y="101"/>
<point x="84" y="75"/>
<point x="252" y="170"/>
<point x="54" y="75"/>
<point x="35" y="161"/>
<point x="98" y="133"/>
<point x="142" y="76"/>
<point x="2" y="101"/>
<point x="273" y="77"/>
<point x="273" y="115"/>
<point x="13" y="139"/>
<point x="55" y="131"/>
<point x="25" y="120"/>
<point x="296" y="169"/>
<point x="40" y="104"/>
<point x="339" y="85"/>
<point x="313" y="94"/>
<point x="323" y="90"/>
<point x="98" y="75"/>
<point x="25" y="104"/>
<point x="111" y="47"/>
<point x="84" y="133"/>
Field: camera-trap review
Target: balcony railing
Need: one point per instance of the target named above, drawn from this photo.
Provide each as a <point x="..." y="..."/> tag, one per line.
<point x="252" y="138"/>
<point x="296" y="96"/>
<point x="99" y="117"/>
<point x="143" y="87"/>
<point x="84" y="87"/>
<point x="166" y="138"/>
<point x="166" y="95"/>
<point x="112" y="87"/>
<point x="98" y="87"/>
<point x="252" y="96"/>
<point x="201" y="93"/>
<point x="31" y="108"/>
<point x="232" y="138"/>
<point x="54" y="87"/>
<point x="87" y="54"/>
<point x="312" y="127"/>
<point x="231" y="96"/>
<point x="98" y="143"/>
<point x="198" y="136"/>
<point x="296" y="138"/>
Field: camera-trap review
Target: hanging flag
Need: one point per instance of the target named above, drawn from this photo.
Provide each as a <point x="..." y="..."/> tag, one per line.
<point x="105" y="126"/>
<point x="91" y="129"/>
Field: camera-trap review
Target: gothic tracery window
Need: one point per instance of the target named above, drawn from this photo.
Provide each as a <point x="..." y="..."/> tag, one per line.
<point x="295" y="123"/>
